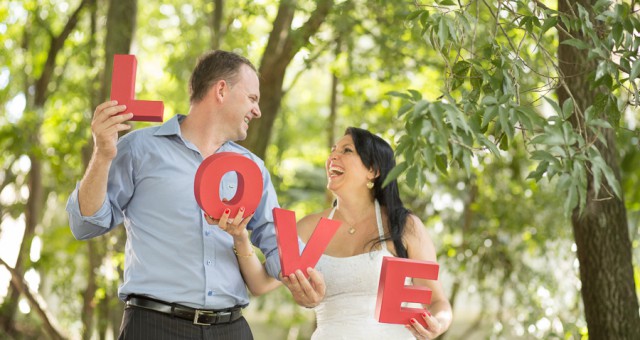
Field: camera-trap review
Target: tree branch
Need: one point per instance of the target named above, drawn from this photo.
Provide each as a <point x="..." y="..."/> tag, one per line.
<point x="23" y="288"/>
<point x="56" y="45"/>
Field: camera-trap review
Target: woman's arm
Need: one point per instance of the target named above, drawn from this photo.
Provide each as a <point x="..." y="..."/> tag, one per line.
<point x="253" y="271"/>
<point x="420" y="247"/>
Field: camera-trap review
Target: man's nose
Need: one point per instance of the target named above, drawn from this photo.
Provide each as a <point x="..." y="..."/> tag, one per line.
<point x="256" y="111"/>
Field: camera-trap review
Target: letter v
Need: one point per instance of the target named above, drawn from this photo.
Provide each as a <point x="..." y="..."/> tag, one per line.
<point x="287" y="237"/>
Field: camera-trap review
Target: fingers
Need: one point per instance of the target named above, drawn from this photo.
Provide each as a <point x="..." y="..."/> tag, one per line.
<point x="307" y="293"/>
<point x="109" y="112"/>
<point x="317" y="280"/>
<point x="105" y="125"/>
<point x="419" y="331"/>
<point x="210" y="219"/>
<point x="236" y="226"/>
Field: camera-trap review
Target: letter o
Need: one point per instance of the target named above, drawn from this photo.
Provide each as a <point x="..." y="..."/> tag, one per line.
<point x="209" y="176"/>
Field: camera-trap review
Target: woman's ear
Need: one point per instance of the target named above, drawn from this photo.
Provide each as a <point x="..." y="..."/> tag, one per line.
<point x="374" y="174"/>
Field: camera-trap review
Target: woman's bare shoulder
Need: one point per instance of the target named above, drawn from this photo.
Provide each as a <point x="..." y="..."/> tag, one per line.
<point x="307" y="224"/>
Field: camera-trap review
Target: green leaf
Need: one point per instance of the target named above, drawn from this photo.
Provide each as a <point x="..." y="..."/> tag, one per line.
<point x="503" y="115"/>
<point x="548" y="23"/>
<point x="553" y="104"/>
<point x="394" y="173"/>
<point x="441" y="163"/>
<point x="543" y="155"/>
<point x="572" y="199"/>
<point x="602" y="4"/>
<point x="489" y="100"/>
<point x="419" y="109"/>
<point x="490" y="113"/>
<point x="616" y="31"/>
<point x="539" y="172"/>
<point x="415" y="94"/>
<point x="635" y="70"/>
<point x="443" y="31"/>
<point x="596" y="168"/>
<point x="612" y="180"/>
<point x="446" y="3"/>
<point x="600" y="123"/>
<point x="404" y="109"/>
<point x="414" y="14"/>
<point x="567" y="108"/>
<point x="399" y="95"/>
<point x="577" y="43"/>
<point x="412" y="176"/>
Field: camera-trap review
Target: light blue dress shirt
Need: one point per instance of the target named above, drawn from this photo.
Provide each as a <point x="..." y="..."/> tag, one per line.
<point x="172" y="253"/>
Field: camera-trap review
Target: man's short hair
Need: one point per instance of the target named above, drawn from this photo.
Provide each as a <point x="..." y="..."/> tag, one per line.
<point x="212" y="67"/>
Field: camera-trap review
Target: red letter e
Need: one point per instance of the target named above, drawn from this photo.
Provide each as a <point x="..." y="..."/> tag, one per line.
<point x="392" y="291"/>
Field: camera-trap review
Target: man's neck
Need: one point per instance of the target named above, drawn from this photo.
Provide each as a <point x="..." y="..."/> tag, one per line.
<point x="200" y="128"/>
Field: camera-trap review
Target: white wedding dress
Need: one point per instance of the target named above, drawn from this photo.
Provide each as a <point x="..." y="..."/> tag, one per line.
<point x="348" y="308"/>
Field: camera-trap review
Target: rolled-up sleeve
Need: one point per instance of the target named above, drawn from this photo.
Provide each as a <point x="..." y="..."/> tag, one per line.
<point x="86" y="227"/>
<point x="119" y="192"/>
<point x="262" y="225"/>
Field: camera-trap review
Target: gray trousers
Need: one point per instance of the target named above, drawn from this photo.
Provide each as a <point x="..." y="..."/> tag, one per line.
<point x="139" y="323"/>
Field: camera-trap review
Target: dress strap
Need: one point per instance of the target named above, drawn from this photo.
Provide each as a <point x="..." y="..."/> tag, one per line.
<point x="333" y="211"/>
<point x="379" y="222"/>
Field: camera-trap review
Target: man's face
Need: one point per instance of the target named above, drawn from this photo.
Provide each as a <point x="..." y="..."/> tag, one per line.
<point x="242" y="105"/>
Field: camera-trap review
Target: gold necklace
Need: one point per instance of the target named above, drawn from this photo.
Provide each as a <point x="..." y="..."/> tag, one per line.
<point x="352" y="229"/>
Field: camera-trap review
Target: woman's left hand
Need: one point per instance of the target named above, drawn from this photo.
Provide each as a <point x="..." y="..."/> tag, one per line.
<point x="433" y="330"/>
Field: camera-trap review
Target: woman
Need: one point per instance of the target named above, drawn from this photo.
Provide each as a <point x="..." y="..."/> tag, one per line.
<point x="374" y="224"/>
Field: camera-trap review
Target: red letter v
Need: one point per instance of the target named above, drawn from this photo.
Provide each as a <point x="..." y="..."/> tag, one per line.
<point x="287" y="237"/>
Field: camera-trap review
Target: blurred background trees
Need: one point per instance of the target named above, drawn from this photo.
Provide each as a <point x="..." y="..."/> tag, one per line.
<point x="456" y="86"/>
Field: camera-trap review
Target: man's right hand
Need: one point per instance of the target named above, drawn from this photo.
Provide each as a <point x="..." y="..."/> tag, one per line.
<point x="105" y="125"/>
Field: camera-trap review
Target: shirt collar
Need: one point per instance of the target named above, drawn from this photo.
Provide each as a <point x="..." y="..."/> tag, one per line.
<point x="171" y="127"/>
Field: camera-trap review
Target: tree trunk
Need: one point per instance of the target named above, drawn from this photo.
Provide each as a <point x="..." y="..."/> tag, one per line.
<point x="282" y="46"/>
<point x="217" y="29"/>
<point x="601" y="232"/>
<point x="121" y="23"/>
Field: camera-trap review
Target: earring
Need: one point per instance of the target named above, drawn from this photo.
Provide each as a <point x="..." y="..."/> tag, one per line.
<point x="370" y="185"/>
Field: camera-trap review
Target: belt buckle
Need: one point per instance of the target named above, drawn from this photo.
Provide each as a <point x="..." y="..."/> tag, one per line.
<point x="196" y="317"/>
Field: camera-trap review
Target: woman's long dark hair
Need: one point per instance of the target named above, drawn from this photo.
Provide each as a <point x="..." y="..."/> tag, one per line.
<point x="377" y="154"/>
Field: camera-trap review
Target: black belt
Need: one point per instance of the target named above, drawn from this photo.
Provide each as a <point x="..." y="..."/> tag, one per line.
<point x="198" y="316"/>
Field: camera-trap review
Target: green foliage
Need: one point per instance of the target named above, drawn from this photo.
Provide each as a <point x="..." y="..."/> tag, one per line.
<point x="494" y="84"/>
<point x="464" y="98"/>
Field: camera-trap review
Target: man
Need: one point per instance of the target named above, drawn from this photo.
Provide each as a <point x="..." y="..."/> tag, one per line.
<point x="181" y="275"/>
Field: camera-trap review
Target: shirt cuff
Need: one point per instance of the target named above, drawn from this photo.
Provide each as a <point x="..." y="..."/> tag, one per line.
<point x="100" y="218"/>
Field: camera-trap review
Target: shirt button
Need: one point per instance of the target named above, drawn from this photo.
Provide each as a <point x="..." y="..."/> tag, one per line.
<point x="210" y="293"/>
<point x="231" y="186"/>
<point x="206" y="233"/>
<point x="208" y="262"/>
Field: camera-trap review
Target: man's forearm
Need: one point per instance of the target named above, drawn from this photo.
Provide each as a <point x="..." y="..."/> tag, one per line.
<point x="93" y="186"/>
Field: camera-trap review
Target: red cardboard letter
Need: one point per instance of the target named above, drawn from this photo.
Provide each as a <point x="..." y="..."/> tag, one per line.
<point x="392" y="292"/>
<point x="209" y="176"/>
<point x="287" y="237"/>
<point x="123" y="86"/>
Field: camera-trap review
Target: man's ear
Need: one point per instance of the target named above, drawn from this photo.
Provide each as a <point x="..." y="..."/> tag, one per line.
<point x="220" y="89"/>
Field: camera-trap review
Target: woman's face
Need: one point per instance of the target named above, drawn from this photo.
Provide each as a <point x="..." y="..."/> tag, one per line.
<point x="345" y="169"/>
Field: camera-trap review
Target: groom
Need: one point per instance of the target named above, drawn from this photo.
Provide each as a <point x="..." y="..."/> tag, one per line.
<point x="181" y="276"/>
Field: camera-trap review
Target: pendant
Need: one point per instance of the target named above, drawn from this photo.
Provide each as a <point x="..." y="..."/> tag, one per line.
<point x="352" y="230"/>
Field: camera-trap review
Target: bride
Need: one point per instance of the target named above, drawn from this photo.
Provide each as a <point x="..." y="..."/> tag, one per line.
<point x="375" y="224"/>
